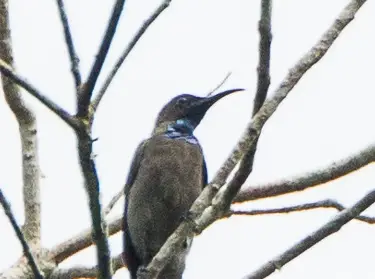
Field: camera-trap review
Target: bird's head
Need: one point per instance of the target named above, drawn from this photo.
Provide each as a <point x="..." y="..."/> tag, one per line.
<point x="189" y="109"/>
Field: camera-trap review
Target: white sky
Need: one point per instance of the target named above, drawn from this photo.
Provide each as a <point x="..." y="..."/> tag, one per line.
<point x="189" y="49"/>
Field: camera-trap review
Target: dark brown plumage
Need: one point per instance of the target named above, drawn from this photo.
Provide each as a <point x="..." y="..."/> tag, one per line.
<point x="167" y="174"/>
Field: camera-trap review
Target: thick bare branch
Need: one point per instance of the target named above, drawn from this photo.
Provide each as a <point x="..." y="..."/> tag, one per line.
<point x="307" y="180"/>
<point x="81" y="241"/>
<point x="329" y="228"/>
<point x="25" y="246"/>
<point x="27" y="127"/>
<point x="264" y="79"/>
<point x="74" y="60"/>
<point x="301" y="207"/>
<point x="84" y="272"/>
<point x="127" y="51"/>
<point x="186" y="229"/>
<point x="99" y="227"/>
<point x="87" y="90"/>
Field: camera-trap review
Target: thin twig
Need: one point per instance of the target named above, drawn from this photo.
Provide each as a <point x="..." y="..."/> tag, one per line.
<point x="127" y="51"/>
<point x="329" y="228"/>
<point x="25" y="246"/>
<point x="264" y="79"/>
<point x="113" y="201"/>
<point x="74" y="60"/>
<point x="219" y="85"/>
<point x="7" y="71"/>
<point x="87" y="90"/>
<point x="187" y="227"/>
<point x="297" y="208"/>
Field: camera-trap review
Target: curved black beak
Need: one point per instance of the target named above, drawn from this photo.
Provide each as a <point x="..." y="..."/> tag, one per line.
<point x="213" y="99"/>
<point x="199" y="108"/>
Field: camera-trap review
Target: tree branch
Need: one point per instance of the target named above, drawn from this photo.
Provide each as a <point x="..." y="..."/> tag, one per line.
<point x="127" y="51"/>
<point x="7" y="71"/>
<point x="302" y="207"/>
<point x="113" y="201"/>
<point x="329" y="228"/>
<point x="84" y="272"/>
<point x="25" y="246"/>
<point x="87" y="90"/>
<point x="81" y="241"/>
<point x="27" y="128"/>
<point x="99" y="227"/>
<point x="307" y="180"/>
<point x="220" y="204"/>
<point x="74" y="60"/>
<point x="264" y="28"/>
<point x="186" y="228"/>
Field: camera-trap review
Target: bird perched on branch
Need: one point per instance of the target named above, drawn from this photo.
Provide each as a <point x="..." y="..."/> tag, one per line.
<point x="167" y="174"/>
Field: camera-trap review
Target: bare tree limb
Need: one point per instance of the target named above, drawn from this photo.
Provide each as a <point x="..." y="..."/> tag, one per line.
<point x="27" y="127"/>
<point x="187" y="227"/>
<point x="81" y="241"/>
<point x="127" y="51"/>
<point x="264" y="27"/>
<point x="307" y="180"/>
<point x="328" y="203"/>
<point x="99" y="227"/>
<point x="87" y="90"/>
<point x="219" y="85"/>
<point x="220" y="204"/>
<point x="329" y="228"/>
<point x="84" y="272"/>
<point x="25" y="246"/>
<point x="7" y="71"/>
<point x="74" y="60"/>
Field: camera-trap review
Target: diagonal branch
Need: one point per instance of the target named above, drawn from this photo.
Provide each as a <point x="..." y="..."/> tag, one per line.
<point x="329" y="228"/>
<point x="84" y="97"/>
<point x="27" y="128"/>
<point x="187" y="227"/>
<point x="25" y="246"/>
<point x="307" y="180"/>
<point x="219" y="85"/>
<point x="7" y="71"/>
<point x="81" y="241"/>
<point x="84" y="272"/>
<point x="127" y="51"/>
<point x="221" y="203"/>
<point x="74" y="60"/>
<point x="301" y="207"/>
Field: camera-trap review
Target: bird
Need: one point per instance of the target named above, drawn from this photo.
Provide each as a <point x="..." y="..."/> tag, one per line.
<point x="167" y="173"/>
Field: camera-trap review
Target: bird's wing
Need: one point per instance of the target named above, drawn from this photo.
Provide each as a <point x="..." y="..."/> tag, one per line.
<point x="129" y="255"/>
<point x="133" y="171"/>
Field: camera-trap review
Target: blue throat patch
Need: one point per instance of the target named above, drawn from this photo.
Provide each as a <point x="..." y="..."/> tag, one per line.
<point x="182" y="129"/>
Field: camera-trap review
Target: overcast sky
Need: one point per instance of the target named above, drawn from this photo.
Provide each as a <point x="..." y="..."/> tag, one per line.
<point x="190" y="49"/>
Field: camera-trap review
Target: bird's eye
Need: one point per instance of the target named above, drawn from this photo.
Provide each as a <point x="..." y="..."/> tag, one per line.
<point x="182" y="102"/>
